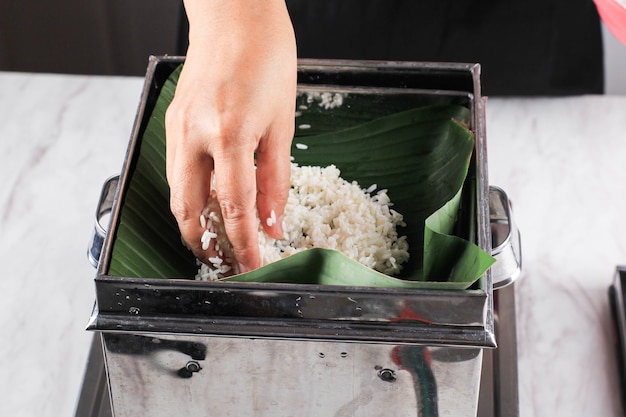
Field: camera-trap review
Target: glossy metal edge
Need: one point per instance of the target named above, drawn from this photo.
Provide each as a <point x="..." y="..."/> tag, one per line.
<point x="618" y="315"/>
<point x="94" y="399"/>
<point x="482" y="190"/>
<point x="105" y="205"/>
<point x="289" y="311"/>
<point x="508" y="252"/>
<point x="125" y="173"/>
<point x="499" y="392"/>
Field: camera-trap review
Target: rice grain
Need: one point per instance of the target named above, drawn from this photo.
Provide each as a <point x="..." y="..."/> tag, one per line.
<point x="323" y="211"/>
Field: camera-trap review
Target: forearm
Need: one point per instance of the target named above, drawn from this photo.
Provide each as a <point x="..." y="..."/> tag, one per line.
<point x="210" y="20"/>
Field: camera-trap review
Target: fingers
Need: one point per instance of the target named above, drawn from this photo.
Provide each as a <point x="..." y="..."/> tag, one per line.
<point x="188" y="197"/>
<point x="235" y="184"/>
<point x="273" y="180"/>
<point x="240" y="191"/>
<point x="189" y="169"/>
<point x="189" y="177"/>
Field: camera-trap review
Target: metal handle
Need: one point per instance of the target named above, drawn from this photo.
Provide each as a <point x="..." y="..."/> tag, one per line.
<point x="103" y="219"/>
<point x="505" y="239"/>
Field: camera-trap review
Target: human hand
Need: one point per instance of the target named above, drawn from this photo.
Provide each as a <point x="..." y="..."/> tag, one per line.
<point x="235" y="97"/>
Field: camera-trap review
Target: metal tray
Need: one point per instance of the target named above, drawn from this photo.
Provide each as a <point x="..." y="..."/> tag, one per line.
<point x="180" y="346"/>
<point x="498" y="397"/>
<point x="326" y="313"/>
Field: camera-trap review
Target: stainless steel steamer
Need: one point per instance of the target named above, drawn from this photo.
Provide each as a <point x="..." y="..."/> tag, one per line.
<point x="164" y="357"/>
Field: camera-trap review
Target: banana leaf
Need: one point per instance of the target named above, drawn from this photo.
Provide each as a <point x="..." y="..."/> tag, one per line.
<point x="420" y="153"/>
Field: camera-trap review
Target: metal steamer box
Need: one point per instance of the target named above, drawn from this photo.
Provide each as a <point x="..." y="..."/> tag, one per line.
<point x="182" y="347"/>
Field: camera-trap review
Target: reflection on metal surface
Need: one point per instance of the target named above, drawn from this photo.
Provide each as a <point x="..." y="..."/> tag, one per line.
<point x="142" y="345"/>
<point x="499" y="396"/>
<point x="505" y="239"/>
<point x="103" y="211"/>
<point x="262" y="377"/>
<point x="291" y="311"/>
<point x="418" y="362"/>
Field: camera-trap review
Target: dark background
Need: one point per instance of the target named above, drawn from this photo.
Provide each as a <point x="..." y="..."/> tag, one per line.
<point x="116" y="37"/>
<point x="110" y="37"/>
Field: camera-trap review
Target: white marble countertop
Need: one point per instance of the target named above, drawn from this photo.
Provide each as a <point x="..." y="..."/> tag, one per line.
<point x="561" y="160"/>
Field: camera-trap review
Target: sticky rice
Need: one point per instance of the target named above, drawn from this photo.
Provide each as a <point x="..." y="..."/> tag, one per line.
<point x="323" y="211"/>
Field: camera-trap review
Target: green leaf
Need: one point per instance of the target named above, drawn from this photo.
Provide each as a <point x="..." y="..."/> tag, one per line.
<point x="329" y="267"/>
<point x="419" y="153"/>
<point x="449" y="258"/>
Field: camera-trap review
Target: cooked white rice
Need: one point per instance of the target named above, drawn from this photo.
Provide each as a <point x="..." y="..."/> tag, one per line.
<point x="323" y="211"/>
<point x="326" y="100"/>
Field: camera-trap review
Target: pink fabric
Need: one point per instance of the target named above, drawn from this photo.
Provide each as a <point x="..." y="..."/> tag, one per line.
<point x="613" y="14"/>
